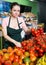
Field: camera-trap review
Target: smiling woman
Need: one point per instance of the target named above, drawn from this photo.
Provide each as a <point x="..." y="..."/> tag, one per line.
<point x="12" y="27"/>
<point x="15" y="10"/>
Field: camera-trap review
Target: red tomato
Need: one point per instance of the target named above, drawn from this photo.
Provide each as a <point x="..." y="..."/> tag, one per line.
<point x="32" y="30"/>
<point x="38" y="39"/>
<point x="11" y="57"/>
<point x="40" y="54"/>
<point x="41" y="51"/>
<point x="39" y="43"/>
<point x="41" y="30"/>
<point x="26" y="48"/>
<point x="36" y="54"/>
<point x="37" y="35"/>
<point x="28" y="44"/>
<point x="16" y="58"/>
<point x="31" y="51"/>
<point x="44" y="46"/>
<point x="35" y="32"/>
<point x="37" y="48"/>
<point x="23" y="50"/>
<point x="23" y="43"/>
<point x="38" y="32"/>
<point x="7" y="63"/>
<point x="2" y="60"/>
<point x="45" y="50"/>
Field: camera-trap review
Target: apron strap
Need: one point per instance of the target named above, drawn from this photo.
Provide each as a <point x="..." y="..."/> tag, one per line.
<point x="19" y="23"/>
<point x="9" y="21"/>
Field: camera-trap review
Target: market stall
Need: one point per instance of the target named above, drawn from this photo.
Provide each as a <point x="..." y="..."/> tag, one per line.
<point x="33" y="50"/>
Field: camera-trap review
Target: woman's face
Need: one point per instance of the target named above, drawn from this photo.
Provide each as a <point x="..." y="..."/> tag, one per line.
<point x="15" y="11"/>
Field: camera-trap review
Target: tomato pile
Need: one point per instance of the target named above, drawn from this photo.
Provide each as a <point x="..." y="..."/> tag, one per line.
<point x="12" y="56"/>
<point x="30" y="51"/>
<point x="37" y="44"/>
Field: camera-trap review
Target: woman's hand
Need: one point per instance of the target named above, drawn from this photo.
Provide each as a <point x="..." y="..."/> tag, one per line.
<point x="18" y="44"/>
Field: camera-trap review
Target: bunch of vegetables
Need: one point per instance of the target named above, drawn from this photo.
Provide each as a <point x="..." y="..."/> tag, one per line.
<point x="16" y="56"/>
<point x="31" y="50"/>
<point x="37" y="44"/>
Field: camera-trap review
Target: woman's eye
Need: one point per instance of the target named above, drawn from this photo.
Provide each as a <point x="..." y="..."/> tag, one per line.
<point x="14" y="10"/>
<point x="17" y="10"/>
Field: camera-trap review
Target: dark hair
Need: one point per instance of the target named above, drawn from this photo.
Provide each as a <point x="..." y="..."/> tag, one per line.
<point x="13" y="4"/>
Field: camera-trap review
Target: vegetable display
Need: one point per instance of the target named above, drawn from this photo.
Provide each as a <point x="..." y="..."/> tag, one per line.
<point x="33" y="51"/>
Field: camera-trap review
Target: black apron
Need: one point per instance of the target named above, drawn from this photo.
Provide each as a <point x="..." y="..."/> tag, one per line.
<point x="14" y="34"/>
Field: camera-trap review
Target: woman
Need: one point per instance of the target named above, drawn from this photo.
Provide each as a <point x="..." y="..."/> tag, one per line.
<point x="12" y="27"/>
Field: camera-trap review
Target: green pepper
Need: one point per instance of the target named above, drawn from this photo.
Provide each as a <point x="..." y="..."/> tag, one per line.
<point x="27" y="60"/>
